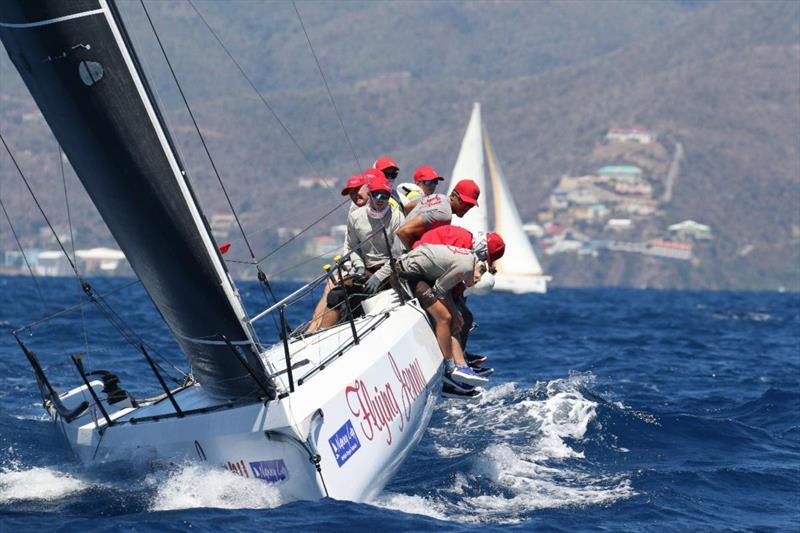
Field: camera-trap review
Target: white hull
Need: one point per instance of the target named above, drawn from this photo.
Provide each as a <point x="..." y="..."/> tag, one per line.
<point x="363" y="412"/>
<point x="517" y="284"/>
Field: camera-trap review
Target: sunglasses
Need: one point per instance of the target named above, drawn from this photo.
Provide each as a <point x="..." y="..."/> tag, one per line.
<point x="429" y="183"/>
<point x="390" y="174"/>
<point x="381" y="195"/>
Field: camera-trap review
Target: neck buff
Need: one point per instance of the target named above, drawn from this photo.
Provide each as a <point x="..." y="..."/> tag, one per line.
<point x="374" y="213"/>
<point x="479" y="246"/>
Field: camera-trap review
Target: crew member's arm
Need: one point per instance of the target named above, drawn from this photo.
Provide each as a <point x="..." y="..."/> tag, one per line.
<point x="411" y="230"/>
<point x="350" y="242"/>
<point x="394" y="245"/>
<point x="410" y="205"/>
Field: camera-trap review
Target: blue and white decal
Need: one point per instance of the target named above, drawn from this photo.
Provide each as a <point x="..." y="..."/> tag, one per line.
<point x="344" y="443"/>
<point x="270" y="471"/>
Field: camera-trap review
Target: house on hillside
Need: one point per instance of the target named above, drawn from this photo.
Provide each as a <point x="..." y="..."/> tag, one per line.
<point x="621" y="173"/>
<point x="221" y="225"/>
<point x="105" y="261"/>
<point x="669" y="249"/>
<point x="315" y="182"/>
<point x="643" y="207"/>
<point x="637" y="135"/>
<point x="689" y="230"/>
<point x="323" y="245"/>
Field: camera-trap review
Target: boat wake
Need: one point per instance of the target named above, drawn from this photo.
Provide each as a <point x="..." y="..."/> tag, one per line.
<point x="518" y="450"/>
<point x="37" y="484"/>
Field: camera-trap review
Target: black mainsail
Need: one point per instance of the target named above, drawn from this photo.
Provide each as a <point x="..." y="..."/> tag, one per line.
<point x="78" y="63"/>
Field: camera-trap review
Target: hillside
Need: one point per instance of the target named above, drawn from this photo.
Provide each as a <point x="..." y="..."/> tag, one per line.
<point x="720" y="78"/>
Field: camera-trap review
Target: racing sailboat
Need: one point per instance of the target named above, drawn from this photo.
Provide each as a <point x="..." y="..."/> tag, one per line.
<point x="331" y="414"/>
<point x="519" y="270"/>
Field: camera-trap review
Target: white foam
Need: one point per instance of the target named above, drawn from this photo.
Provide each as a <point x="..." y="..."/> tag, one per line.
<point x="192" y="486"/>
<point x="412" y="505"/>
<point x="531" y="462"/>
<point x="449" y="451"/>
<point x="43" y="484"/>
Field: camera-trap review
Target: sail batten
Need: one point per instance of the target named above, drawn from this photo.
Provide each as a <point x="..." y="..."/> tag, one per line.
<point x="99" y="106"/>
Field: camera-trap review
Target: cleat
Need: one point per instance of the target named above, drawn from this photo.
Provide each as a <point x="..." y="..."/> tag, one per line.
<point x="448" y="391"/>
<point x="474" y="359"/>
<point x="483" y="371"/>
<point x="467" y="376"/>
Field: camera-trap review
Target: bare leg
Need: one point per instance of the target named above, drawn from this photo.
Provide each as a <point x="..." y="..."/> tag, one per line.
<point x="441" y="317"/>
<point x="320" y="311"/>
<point x="458" y="353"/>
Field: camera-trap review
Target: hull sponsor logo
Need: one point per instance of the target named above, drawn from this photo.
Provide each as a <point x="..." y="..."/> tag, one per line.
<point x="237" y="468"/>
<point x="378" y="406"/>
<point x="270" y="471"/>
<point x="344" y="443"/>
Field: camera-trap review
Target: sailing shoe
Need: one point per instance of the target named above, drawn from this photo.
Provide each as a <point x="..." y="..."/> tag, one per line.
<point x="483" y="371"/>
<point x="467" y="376"/>
<point x="448" y="391"/>
<point x="474" y="359"/>
<point x="460" y="387"/>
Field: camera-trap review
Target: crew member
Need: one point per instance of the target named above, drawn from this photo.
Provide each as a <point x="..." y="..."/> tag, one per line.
<point x="389" y="167"/>
<point x="433" y="270"/>
<point x="370" y="250"/>
<point x="487" y="247"/>
<point x="437" y="210"/>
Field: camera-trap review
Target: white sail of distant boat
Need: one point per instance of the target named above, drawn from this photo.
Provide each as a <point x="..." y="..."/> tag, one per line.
<point x="364" y="389"/>
<point x="519" y="270"/>
<point x="470" y="165"/>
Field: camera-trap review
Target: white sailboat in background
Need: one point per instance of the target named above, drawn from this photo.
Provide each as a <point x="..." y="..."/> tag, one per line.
<point x="519" y="271"/>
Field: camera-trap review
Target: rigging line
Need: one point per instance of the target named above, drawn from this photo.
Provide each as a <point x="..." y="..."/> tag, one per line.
<point x="303" y="231"/>
<point x="72" y="241"/>
<point x="199" y="133"/>
<point x="36" y="201"/>
<point x="61" y="244"/>
<point x="76" y="306"/>
<point x="327" y="87"/>
<point x="260" y="96"/>
<point x="25" y="257"/>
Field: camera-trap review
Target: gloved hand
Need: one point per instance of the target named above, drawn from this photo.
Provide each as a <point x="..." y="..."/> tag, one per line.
<point x="372" y="284"/>
<point x="358" y="271"/>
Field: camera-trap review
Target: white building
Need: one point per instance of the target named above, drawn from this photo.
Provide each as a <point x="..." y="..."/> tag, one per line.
<point x="637" y="135"/>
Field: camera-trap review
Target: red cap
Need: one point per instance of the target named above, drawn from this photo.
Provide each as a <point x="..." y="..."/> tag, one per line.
<point x="426" y="173"/>
<point x="380" y="183"/>
<point x="496" y="247"/>
<point x="373" y="173"/>
<point x="384" y="162"/>
<point x="354" y="182"/>
<point x="468" y="190"/>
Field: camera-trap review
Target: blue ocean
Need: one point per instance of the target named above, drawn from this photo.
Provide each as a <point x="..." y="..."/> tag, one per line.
<point x="610" y="410"/>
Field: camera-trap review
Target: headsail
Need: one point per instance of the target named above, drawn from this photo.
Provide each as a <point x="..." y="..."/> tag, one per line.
<point x="469" y="165"/>
<point x="519" y="257"/>
<point x="79" y="65"/>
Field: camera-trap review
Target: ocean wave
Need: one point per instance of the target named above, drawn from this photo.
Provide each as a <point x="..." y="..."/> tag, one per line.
<point x="191" y="486"/>
<point x="529" y="463"/>
<point x="38" y="484"/>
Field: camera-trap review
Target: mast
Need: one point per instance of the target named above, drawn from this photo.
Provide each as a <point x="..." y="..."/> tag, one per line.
<point x="81" y="69"/>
